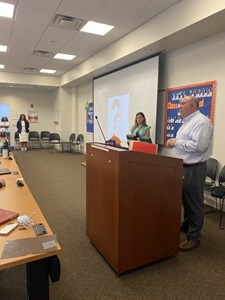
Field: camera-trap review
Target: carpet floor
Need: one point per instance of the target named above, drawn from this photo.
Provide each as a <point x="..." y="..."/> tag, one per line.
<point x="58" y="184"/>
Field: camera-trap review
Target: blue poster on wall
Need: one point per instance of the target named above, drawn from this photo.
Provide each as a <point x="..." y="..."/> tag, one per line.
<point x="89" y="117"/>
<point x="204" y="92"/>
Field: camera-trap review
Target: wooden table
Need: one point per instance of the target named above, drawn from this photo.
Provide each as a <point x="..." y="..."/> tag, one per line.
<point x="38" y="266"/>
<point x="12" y="166"/>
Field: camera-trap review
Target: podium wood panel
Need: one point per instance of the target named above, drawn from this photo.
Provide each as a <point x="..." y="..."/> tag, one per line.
<point x="133" y="205"/>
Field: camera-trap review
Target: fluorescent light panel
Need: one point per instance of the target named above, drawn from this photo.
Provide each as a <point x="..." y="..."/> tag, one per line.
<point x="64" y="56"/>
<point x="47" y="71"/>
<point x="3" y="48"/>
<point x="6" y="10"/>
<point x="2" y="66"/>
<point x="96" y="28"/>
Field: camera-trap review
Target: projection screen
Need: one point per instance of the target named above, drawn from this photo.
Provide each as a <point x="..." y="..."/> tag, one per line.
<point x="118" y="96"/>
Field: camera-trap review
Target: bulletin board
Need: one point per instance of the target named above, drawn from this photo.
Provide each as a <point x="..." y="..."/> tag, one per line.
<point x="89" y="117"/>
<point x="205" y="93"/>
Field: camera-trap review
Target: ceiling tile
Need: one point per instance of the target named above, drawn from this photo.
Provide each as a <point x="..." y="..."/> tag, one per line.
<point x="33" y="15"/>
<point x="80" y="42"/>
<point x="77" y="9"/>
<point x="153" y="8"/>
<point x="54" y="39"/>
<point x="132" y="6"/>
<point x="6" y="26"/>
<point x="31" y="30"/>
<point x="49" y="5"/>
<point x="109" y="16"/>
<point x="96" y="2"/>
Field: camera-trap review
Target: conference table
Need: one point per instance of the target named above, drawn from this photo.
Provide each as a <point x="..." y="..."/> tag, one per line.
<point x="40" y="263"/>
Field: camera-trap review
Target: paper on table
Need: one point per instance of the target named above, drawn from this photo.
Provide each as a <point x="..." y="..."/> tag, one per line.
<point x="27" y="246"/>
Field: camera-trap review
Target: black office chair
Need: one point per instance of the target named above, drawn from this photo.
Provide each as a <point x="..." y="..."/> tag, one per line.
<point x="210" y="182"/>
<point x="76" y="146"/>
<point x="44" y="138"/>
<point x="145" y="139"/>
<point x="130" y="137"/>
<point x="219" y="193"/>
<point x="54" y="139"/>
<point x="34" y="138"/>
<point x="67" y="146"/>
<point x="17" y="144"/>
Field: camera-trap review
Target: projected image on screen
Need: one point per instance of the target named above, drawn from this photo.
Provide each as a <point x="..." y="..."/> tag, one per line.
<point x="118" y="116"/>
<point x="118" y="96"/>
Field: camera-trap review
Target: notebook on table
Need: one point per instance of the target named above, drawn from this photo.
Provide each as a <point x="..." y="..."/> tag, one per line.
<point x="4" y="171"/>
<point x="7" y="215"/>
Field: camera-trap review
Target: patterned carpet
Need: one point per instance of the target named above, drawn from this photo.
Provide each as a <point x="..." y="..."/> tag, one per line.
<point x="57" y="182"/>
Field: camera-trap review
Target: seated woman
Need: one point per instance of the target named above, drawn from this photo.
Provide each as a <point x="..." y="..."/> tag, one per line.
<point x="4" y="127"/>
<point x="140" y="128"/>
<point x="3" y="139"/>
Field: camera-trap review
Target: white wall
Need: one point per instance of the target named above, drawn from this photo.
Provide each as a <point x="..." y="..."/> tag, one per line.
<point x="199" y="62"/>
<point x="61" y="101"/>
<point x="65" y="112"/>
<point x="84" y="94"/>
<point x="20" y="102"/>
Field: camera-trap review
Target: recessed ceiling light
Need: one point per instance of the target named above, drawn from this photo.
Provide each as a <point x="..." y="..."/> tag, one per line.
<point x="64" y="56"/>
<point x="47" y="71"/>
<point x="3" y="48"/>
<point x="6" y="10"/>
<point x="96" y="28"/>
<point x="2" y="66"/>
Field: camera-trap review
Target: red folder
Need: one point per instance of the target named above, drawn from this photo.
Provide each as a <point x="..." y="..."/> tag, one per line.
<point x="7" y="215"/>
<point x="145" y="147"/>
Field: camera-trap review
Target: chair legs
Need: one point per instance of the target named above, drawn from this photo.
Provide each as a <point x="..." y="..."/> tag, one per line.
<point x="221" y="204"/>
<point x="66" y="147"/>
<point x="51" y="148"/>
<point x="210" y="211"/>
<point x="221" y="213"/>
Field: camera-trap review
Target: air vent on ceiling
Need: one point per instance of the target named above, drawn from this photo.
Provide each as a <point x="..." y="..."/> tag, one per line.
<point x="27" y="69"/>
<point x="67" y="22"/>
<point x="42" y="53"/>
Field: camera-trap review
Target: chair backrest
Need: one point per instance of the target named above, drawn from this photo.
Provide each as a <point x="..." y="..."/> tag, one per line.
<point x="72" y="138"/>
<point x="212" y="165"/>
<point x="54" y="137"/>
<point x="222" y="176"/>
<point x="80" y="138"/>
<point x="17" y="136"/>
<point x="34" y="135"/>
<point x="45" y="135"/>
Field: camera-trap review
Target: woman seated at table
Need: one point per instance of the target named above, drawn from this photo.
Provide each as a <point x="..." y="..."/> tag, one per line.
<point x="4" y="127"/>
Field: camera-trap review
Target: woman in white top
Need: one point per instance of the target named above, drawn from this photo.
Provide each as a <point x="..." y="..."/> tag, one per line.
<point x="4" y="125"/>
<point x="23" y="129"/>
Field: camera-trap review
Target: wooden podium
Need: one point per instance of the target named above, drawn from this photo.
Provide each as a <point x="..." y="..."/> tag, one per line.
<point x="133" y="205"/>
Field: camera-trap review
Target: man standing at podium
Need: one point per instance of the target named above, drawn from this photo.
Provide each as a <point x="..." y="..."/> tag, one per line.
<point x="193" y="144"/>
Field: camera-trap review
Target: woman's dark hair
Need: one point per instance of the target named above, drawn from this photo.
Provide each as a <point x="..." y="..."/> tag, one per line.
<point x="143" y="116"/>
<point x="21" y="117"/>
<point x="5" y="118"/>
